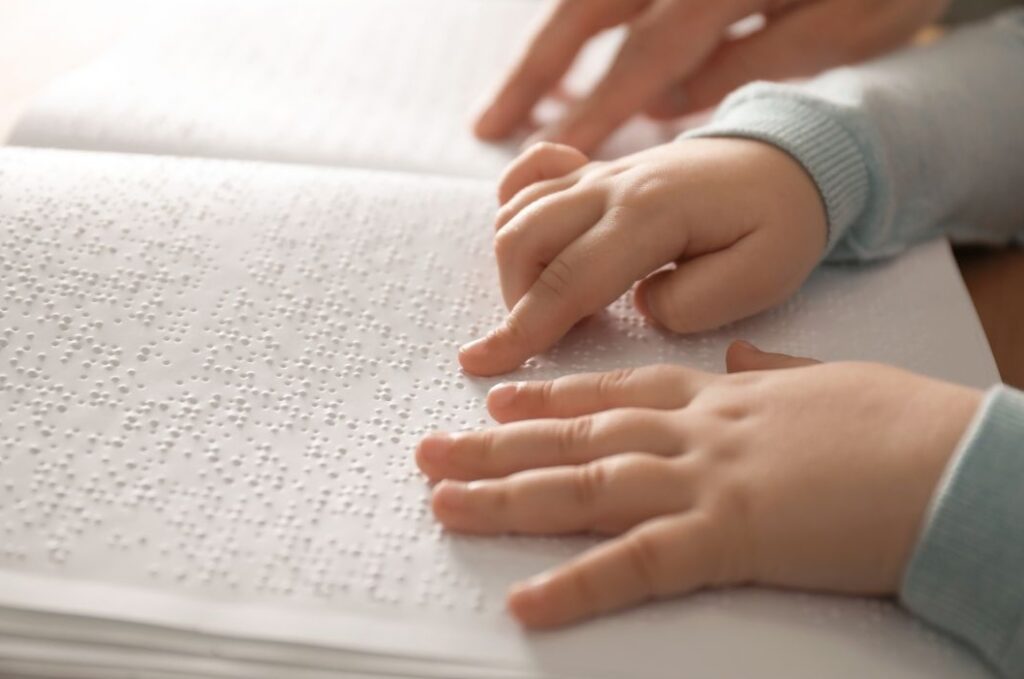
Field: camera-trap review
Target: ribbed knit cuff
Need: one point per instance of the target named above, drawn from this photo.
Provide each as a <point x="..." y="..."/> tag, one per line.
<point x="967" y="573"/>
<point x="810" y="132"/>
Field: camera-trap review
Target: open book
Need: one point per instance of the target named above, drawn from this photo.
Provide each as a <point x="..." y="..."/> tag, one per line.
<point x="214" y="370"/>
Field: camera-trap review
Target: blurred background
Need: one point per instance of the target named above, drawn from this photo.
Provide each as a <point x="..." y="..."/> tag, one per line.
<point x="40" y="39"/>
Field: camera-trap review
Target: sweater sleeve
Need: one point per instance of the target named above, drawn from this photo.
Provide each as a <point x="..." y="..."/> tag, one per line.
<point x="966" y="575"/>
<point x="925" y="142"/>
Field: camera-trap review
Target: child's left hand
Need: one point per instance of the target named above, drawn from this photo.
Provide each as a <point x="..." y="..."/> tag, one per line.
<point x="814" y="476"/>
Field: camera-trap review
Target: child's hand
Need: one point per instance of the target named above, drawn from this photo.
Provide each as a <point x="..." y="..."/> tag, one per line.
<point x="742" y="222"/>
<point x="814" y="477"/>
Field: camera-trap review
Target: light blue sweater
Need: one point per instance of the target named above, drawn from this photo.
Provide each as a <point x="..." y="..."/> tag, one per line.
<point x="926" y="142"/>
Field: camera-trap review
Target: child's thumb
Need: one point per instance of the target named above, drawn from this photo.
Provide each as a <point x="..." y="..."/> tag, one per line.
<point x="743" y="356"/>
<point x="709" y="291"/>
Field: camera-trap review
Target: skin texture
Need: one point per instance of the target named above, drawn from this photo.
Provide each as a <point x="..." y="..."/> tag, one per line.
<point x="679" y="56"/>
<point x="767" y="475"/>
<point x="739" y="225"/>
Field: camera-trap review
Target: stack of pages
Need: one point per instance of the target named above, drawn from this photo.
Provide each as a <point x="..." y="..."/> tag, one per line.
<point x="213" y="370"/>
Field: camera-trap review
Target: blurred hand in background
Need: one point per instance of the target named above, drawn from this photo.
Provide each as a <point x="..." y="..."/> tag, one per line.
<point x="680" y="56"/>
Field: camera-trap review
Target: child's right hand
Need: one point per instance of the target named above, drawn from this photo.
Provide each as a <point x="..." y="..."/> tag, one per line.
<point x="741" y="221"/>
<point x="785" y="473"/>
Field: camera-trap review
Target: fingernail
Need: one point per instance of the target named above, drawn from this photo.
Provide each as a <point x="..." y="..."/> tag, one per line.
<point x="519" y="591"/>
<point x="747" y="345"/>
<point x="503" y="394"/>
<point x="525" y="595"/>
<point x="451" y="495"/>
<point x="524" y="605"/>
<point x="482" y="111"/>
<point x="474" y="347"/>
<point x="435" y="447"/>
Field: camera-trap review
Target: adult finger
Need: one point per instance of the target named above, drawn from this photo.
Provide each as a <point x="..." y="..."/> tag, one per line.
<point x="606" y="496"/>
<point x="654" y="55"/>
<point x="664" y="557"/>
<point x="803" y="39"/>
<point x="538" y="163"/>
<point x="497" y="452"/>
<point x="655" y="386"/>
<point x="548" y="54"/>
<point x="743" y="357"/>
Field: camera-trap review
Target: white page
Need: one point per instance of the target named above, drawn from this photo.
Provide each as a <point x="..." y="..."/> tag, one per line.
<point x="382" y="84"/>
<point x="23" y="656"/>
<point x="213" y="375"/>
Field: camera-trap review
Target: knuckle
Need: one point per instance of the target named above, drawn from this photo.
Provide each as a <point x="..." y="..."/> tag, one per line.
<point x="685" y="472"/>
<point x="505" y="214"/>
<point x="635" y="189"/>
<point x="589" y="482"/>
<point x="643" y="555"/>
<point x="499" y="496"/>
<point x="485" y="445"/>
<point x="727" y="400"/>
<point x="506" y="244"/>
<point x="527" y="206"/>
<point x="517" y="333"/>
<point x="557" y="279"/>
<point x="611" y="383"/>
<point x="719" y="446"/>
<point x="639" y="468"/>
<point x="531" y="162"/>
<point x="731" y="410"/>
<point x="585" y="592"/>
<point x="598" y="172"/>
<point x="545" y="393"/>
<point x="574" y="435"/>
<point x="633" y="419"/>
<point x="639" y="194"/>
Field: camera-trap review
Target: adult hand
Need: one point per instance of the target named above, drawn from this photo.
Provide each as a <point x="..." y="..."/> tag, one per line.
<point x="798" y="475"/>
<point x="678" y="56"/>
<point x="741" y="220"/>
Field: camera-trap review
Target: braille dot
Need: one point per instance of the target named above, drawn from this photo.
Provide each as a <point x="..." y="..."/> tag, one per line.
<point x="229" y="370"/>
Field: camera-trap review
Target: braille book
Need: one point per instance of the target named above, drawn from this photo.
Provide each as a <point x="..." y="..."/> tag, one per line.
<point x="235" y="269"/>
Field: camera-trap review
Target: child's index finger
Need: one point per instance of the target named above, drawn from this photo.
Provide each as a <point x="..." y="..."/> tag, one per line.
<point x="589" y="274"/>
<point x="536" y="322"/>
